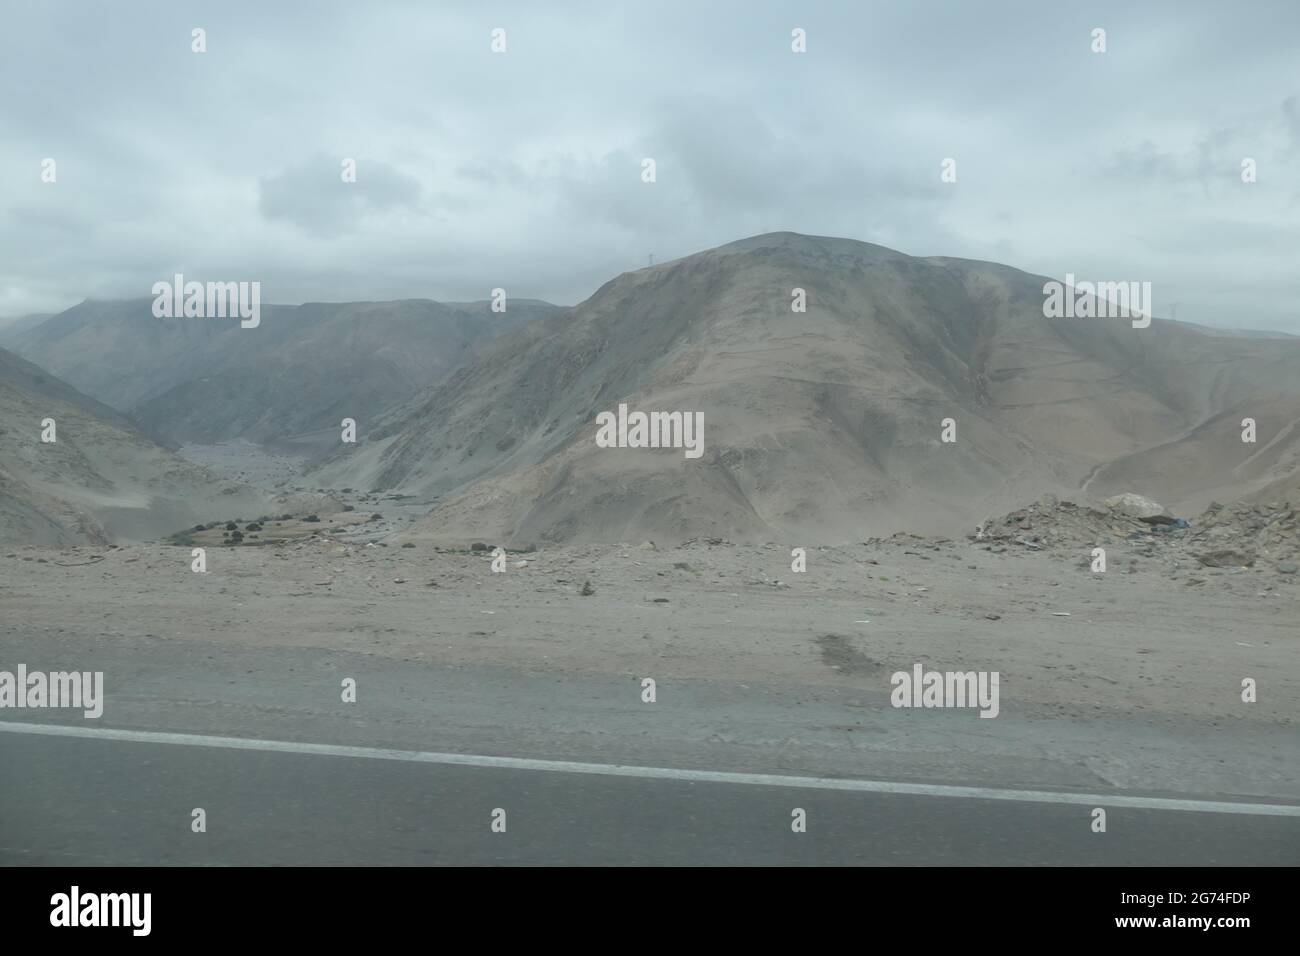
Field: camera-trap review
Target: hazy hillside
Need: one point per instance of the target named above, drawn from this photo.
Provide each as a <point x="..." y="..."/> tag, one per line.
<point x="822" y="426"/>
<point x="101" y="480"/>
<point x="11" y="328"/>
<point x="303" y="369"/>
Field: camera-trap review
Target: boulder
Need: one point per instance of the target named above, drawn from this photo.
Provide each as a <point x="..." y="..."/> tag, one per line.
<point x="1143" y="509"/>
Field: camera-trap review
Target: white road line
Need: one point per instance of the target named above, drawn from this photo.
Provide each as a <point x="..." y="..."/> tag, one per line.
<point x="656" y="773"/>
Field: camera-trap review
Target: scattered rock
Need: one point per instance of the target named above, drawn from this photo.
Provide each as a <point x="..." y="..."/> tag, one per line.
<point x="1226" y="558"/>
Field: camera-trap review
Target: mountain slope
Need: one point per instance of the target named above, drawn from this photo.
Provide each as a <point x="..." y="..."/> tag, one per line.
<point x="301" y="370"/>
<point x="10" y="329"/>
<point x="823" y="426"/>
<point x="100" y="480"/>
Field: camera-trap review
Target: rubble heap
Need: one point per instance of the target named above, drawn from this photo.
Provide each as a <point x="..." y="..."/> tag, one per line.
<point x="1050" y="523"/>
<point x="1264" y="533"/>
<point x="1240" y="535"/>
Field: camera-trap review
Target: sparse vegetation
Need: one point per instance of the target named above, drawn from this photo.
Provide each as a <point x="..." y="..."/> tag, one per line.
<point x="587" y="589"/>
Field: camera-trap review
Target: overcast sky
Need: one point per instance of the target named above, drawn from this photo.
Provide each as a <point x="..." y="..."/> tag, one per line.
<point x="523" y="169"/>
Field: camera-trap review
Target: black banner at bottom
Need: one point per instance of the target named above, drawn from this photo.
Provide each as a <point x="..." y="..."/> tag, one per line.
<point x="338" y="905"/>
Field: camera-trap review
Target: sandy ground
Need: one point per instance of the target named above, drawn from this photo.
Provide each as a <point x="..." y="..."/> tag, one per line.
<point x="758" y="667"/>
<point x="242" y="460"/>
<point x="1132" y="643"/>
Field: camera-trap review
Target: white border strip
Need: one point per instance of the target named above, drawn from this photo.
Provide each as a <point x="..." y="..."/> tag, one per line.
<point x="658" y="773"/>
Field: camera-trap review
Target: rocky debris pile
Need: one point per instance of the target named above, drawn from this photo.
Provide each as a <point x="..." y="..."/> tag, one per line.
<point x="1241" y="535"/>
<point x="1245" y="534"/>
<point x="1050" y="523"/>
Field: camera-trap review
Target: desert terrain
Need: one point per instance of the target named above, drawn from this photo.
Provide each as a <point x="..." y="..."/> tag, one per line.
<point x="500" y="590"/>
<point x="1127" y="679"/>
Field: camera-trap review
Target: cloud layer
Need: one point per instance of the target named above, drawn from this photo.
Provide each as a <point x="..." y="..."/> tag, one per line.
<point x="523" y="169"/>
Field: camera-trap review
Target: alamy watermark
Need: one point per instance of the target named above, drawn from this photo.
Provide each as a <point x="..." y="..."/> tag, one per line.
<point x="75" y="908"/>
<point x="651" y="430"/>
<point x="922" y="688"/>
<point x="1099" y="300"/>
<point x="37" y="689"/>
<point x="213" y="300"/>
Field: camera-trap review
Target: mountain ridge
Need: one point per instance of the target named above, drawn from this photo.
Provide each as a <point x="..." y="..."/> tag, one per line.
<point x="300" y="371"/>
<point x="816" y="422"/>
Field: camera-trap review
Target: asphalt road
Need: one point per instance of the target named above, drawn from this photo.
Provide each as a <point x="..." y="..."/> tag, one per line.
<point x="412" y="771"/>
<point x="77" y="801"/>
<point x="293" y="693"/>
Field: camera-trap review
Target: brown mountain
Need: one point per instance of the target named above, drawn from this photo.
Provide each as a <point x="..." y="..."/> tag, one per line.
<point x="293" y="377"/>
<point x="101" y="480"/>
<point x="826" y="425"/>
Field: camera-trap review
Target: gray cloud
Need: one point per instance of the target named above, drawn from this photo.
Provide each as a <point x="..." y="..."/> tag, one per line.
<point x="314" y="196"/>
<point x="522" y="170"/>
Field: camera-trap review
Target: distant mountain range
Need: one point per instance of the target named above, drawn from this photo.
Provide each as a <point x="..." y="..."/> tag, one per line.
<point x="819" y="426"/>
<point x="290" y="380"/>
